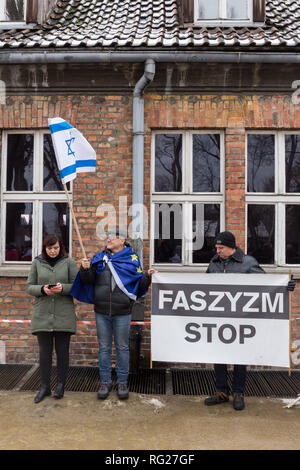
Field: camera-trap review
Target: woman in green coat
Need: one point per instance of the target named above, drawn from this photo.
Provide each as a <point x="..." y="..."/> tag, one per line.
<point x="53" y="320"/>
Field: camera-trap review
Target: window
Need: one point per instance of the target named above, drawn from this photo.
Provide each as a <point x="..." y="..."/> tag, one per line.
<point x="13" y="10"/>
<point x="223" y="10"/>
<point x="33" y="200"/>
<point x="187" y="196"/>
<point x="273" y="197"/>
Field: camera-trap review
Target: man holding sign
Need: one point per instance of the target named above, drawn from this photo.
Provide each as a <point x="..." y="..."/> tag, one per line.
<point x="231" y="259"/>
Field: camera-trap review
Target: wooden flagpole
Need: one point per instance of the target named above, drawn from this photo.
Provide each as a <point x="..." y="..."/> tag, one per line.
<point x="74" y="220"/>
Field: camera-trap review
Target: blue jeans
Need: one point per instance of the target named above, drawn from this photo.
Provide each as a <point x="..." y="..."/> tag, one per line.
<point x="239" y="378"/>
<point x="116" y="326"/>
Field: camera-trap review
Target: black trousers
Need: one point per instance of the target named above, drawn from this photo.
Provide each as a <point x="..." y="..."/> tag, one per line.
<point x="239" y="378"/>
<point x="46" y="341"/>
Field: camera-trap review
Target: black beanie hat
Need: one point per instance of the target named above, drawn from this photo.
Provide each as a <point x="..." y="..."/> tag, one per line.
<point x="225" y="238"/>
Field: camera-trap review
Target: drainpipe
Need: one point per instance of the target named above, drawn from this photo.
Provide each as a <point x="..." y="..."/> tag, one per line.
<point x="138" y="154"/>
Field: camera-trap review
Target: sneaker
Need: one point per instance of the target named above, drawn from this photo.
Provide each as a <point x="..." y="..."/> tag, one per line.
<point x="104" y="391"/>
<point x="217" y="399"/>
<point x="238" y="402"/>
<point x="123" y="392"/>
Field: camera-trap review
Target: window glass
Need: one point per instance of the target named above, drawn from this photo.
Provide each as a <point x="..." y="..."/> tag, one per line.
<point x="237" y="9"/>
<point x="261" y="163"/>
<point x="206" y="225"/>
<point x="208" y="9"/>
<point x="261" y="232"/>
<point x="56" y="220"/>
<point x="18" y="243"/>
<point x="292" y="234"/>
<point x="206" y="162"/>
<point x="168" y="235"/>
<point x="168" y="162"/>
<point x="292" y="163"/>
<point x="14" y="10"/>
<point x="51" y="180"/>
<point x="19" y="162"/>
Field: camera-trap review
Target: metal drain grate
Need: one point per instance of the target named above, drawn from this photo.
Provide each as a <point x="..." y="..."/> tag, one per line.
<point x="11" y="374"/>
<point x="275" y="384"/>
<point x="195" y="382"/>
<point x="86" y="379"/>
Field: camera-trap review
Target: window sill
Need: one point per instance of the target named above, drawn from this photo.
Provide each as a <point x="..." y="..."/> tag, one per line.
<point x="15" y="271"/>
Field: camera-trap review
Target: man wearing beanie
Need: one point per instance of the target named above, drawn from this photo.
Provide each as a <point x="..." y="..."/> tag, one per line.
<point x="231" y="259"/>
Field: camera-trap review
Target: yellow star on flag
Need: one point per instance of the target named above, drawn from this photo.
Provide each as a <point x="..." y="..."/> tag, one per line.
<point x="134" y="258"/>
<point x="139" y="270"/>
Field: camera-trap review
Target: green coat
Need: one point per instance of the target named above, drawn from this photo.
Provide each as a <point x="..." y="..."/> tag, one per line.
<point x="52" y="312"/>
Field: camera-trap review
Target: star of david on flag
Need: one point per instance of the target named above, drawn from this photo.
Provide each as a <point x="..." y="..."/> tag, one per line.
<point x="73" y="152"/>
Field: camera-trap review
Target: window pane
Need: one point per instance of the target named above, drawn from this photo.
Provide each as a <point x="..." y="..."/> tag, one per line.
<point x="208" y="9"/>
<point x="168" y="233"/>
<point x="18" y="232"/>
<point x="19" y="162"/>
<point x="261" y="163"/>
<point x="206" y="163"/>
<point x="206" y="224"/>
<point x="292" y="234"/>
<point x="56" y="220"/>
<point x="261" y="229"/>
<point x="292" y="163"/>
<point x="237" y="9"/>
<point x="168" y="162"/>
<point x="52" y="180"/>
<point x="14" y="10"/>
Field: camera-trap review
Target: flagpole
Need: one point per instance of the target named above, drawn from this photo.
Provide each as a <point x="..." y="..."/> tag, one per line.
<point x="74" y="220"/>
<point x="290" y="327"/>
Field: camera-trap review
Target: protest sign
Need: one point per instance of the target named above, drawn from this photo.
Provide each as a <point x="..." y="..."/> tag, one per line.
<point x="220" y="318"/>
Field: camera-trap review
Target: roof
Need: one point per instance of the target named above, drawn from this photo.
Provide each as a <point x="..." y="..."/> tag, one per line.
<point x="119" y="24"/>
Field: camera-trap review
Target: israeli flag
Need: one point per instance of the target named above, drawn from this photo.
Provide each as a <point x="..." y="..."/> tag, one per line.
<point x="73" y="152"/>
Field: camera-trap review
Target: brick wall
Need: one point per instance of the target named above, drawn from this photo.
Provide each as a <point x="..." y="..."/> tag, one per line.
<point x="107" y="123"/>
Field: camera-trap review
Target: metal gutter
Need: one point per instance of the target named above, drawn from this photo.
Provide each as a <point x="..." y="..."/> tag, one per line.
<point x="50" y="57"/>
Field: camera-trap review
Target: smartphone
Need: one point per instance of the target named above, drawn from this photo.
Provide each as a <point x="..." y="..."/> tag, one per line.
<point x="51" y="285"/>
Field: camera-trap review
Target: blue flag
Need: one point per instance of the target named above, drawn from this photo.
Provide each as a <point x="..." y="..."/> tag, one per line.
<point x="126" y="269"/>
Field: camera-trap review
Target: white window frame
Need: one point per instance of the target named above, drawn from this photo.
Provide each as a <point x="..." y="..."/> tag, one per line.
<point x="223" y="20"/>
<point x="37" y="197"/>
<point x="279" y="198"/>
<point x="186" y="197"/>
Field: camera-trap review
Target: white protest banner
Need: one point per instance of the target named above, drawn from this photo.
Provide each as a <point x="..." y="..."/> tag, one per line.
<point x="220" y="318"/>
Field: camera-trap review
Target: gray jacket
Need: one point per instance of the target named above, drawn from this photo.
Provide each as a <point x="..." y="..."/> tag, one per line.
<point x="239" y="262"/>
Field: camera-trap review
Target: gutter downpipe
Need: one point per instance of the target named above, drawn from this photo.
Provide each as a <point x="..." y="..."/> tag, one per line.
<point x="138" y="155"/>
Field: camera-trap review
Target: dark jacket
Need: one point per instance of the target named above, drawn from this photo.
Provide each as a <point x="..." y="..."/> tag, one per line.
<point x="239" y="262"/>
<point x="52" y="312"/>
<point x="108" y="297"/>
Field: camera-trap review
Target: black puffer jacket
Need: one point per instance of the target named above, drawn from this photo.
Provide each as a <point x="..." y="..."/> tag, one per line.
<point x="239" y="262"/>
<point x="108" y="297"/>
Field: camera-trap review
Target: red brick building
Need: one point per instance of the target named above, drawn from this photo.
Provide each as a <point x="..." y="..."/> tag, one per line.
<point x="187" y="104"/>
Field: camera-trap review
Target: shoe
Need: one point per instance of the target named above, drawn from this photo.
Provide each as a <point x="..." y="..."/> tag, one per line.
<point x="43" y="392"/>
<point x="217" y="399"/>
<point x="123" y="392"/>
<point x="104" y="390"/>
<point x="238" y="402"/>
<point x="59" y="391"/>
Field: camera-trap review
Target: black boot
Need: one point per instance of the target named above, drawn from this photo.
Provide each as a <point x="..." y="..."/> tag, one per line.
<point x="44" y="391"/>
<point x="59" y="391"/>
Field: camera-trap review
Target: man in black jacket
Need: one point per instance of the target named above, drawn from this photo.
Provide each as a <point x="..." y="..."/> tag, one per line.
<point x="113" y="304"/>
<point x="231" y="259"/>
